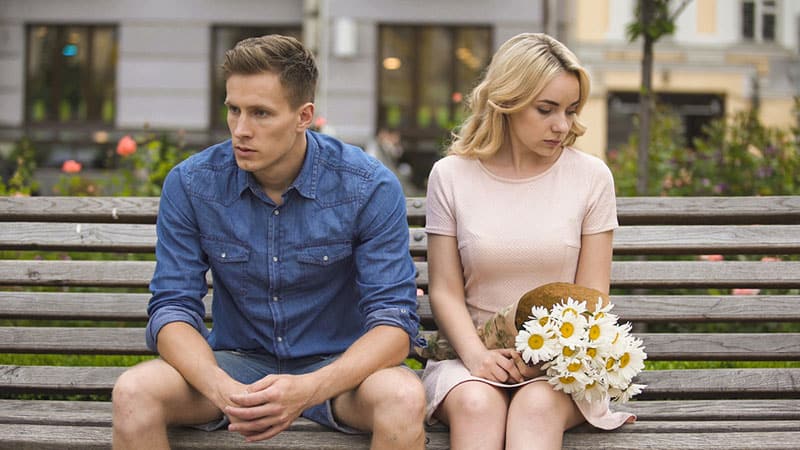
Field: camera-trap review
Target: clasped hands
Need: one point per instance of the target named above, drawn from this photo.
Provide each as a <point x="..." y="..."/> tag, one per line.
<point x="263" y="409"/>
<point x="502" y="365"/>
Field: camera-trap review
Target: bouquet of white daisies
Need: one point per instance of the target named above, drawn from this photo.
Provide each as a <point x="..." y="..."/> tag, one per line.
<point x="578" y="344"/>
<point x="583" y="350"/>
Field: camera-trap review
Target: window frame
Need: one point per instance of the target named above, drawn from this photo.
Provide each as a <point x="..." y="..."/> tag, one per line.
<point x="52" y="120"/>
<point x="415" y="133"/>
<point x="761" y="10"/>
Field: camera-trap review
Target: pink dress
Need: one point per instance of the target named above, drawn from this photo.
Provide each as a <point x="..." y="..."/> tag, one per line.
<point x="514" y="235"/>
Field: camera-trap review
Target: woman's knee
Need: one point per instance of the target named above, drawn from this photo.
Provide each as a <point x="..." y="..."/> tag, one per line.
<point x="540" y="402"/>
<point x="475" y="400"/>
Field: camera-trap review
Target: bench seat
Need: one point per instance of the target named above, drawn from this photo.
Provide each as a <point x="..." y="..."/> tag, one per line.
<point x="57" y="298"/>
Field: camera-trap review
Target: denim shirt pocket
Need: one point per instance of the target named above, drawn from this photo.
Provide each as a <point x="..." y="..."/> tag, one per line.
<point x="326" y="254"/>
<point x="225" y="251"/>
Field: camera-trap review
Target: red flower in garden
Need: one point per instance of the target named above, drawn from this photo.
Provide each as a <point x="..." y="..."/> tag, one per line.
<point x="71" y="166"/>
<point x="126" y="146"/>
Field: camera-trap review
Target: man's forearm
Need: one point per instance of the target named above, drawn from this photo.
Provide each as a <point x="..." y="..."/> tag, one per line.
<point x="381" y="347"/>
<point x="185" y="349"/>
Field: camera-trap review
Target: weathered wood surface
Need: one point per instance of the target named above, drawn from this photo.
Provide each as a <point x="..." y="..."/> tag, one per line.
<point x="662" y="384"/>
<point x="624" y="274"/>
<point x="98" y="413"/>
<point x="634" y="308"/>
<point x="654" y="240"/>
<point x="630" y="210"/>
<point x="67" y="437"/>
<point x="659" y="346"/>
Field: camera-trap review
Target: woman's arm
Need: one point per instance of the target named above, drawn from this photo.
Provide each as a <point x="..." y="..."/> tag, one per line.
<point x="594" y="263"/>
<point x="446" y="289"/>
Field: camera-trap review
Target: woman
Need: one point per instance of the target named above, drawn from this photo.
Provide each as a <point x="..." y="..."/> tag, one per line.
<point x="512" y="207"/>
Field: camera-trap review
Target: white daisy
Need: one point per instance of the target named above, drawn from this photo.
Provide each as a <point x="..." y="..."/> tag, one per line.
<point x="536" y="343"/>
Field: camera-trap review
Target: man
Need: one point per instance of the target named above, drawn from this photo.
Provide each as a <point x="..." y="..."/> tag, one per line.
<point x="314" y="294"/>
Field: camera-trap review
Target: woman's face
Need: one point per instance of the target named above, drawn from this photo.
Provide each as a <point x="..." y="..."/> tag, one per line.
<point x="542" y="126"/>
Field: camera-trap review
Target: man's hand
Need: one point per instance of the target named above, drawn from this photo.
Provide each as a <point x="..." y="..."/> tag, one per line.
<point x="270" y="405"/>
<point x="495" y="365"/>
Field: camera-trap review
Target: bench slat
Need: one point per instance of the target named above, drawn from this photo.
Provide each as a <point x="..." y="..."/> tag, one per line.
<point x="624" y="274"/>
<point x="704" y="274"/>
<point x="662" y="384"/>
<point x="98" y="413"/>
<point x="690" y="239"/>
<point x="79" y="209"/>
<point x="71" y="437"/>
<point x="707" y="239"/>
<point x="630" y="210"/>
<point x="659" y="346"/>
<point x="708" y="210"/>
<point x="635" y="308"/>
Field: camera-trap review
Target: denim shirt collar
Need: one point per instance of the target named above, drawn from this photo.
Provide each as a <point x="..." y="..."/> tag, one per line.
<point x="305" y="183"/>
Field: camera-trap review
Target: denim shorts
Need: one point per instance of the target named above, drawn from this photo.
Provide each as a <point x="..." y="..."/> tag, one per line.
<point x="249" y="367"/>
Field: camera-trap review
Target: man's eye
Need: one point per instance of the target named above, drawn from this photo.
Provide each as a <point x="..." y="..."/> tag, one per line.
<point x="233" y="109"/>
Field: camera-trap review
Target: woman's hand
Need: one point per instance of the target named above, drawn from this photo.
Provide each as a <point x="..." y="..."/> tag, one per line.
<point x="527" y="371"/>
<point x="495" y="365"/>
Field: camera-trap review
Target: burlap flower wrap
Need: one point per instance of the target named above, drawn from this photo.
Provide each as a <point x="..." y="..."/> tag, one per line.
<point x="502" y="327"/>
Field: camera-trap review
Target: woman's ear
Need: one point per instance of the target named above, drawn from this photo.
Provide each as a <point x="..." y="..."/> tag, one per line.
<point x="305" y="116"/>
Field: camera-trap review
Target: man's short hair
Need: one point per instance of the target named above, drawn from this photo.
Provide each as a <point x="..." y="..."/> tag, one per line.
<point x="281" y="55"/>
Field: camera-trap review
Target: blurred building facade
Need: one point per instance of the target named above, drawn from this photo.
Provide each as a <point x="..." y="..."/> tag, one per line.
<point x="76" y="75"/>
<point x="725" y="56"/>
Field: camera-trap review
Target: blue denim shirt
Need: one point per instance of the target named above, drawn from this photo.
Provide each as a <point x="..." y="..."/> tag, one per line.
<point x="305" y="278"/>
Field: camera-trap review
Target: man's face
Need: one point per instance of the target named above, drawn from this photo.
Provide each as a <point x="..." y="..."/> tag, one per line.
<point x="267" y="133"/>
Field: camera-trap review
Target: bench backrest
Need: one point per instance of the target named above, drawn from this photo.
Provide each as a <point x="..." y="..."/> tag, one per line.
<point x="56" y="298"/>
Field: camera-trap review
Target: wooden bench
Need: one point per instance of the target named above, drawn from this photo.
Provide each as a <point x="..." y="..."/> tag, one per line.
<point x="74" y="305"/>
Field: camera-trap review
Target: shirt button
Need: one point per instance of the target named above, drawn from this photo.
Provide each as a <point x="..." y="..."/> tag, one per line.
<point x="325" y="258"/>
<point x="280" y="339"/>
<point x="275" y="299"/>
<point x="276" y="212"/>
<point x="275" y="259"/>
<point x="223" y="255"/>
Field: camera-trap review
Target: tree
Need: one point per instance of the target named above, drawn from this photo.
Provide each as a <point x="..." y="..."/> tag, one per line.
<point x="653" y="21"/>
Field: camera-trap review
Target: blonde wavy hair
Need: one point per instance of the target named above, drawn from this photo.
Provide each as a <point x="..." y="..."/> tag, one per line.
<point x="517" y="74"/>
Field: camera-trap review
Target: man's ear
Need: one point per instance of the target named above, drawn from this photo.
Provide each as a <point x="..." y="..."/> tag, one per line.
<point x="305" y="116"/>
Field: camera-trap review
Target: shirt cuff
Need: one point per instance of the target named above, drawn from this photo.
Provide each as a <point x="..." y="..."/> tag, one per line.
<point x="401" y="318"/>
<point x="169" y="314"/>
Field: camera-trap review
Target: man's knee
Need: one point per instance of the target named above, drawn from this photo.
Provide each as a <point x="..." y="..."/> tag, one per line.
<point x="135" y="398"/>
<point x="398" y="395"/>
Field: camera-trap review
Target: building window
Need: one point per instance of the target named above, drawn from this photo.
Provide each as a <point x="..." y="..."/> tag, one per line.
<point x="223" y="39"/>
<point x="759" y="20"/>
<point x="695" y="111"/>
<point x="424" y="75"/>
<point x="70" y="74"/>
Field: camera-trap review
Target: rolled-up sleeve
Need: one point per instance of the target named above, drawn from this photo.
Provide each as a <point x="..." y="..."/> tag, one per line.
<point x="179" y="282"/>
<point x="385" y="271"/>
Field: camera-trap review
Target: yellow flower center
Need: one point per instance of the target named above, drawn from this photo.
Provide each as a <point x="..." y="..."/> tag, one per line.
<point x="592" y="352"/>
<point x="610" y="363"/>
<point x="569" y="310"/>
<point x="567" y="380"/>
<point x="543" y="320"/>
<point x="616" y="336"/>
<point x="594" y="332"/>
<point x="567" y="329"/>
<point x="574" y="367"/>
<point x="535" y="342"/>
<point x="624" y="360"/>
<point x="567" y="351"/>
<point x="599" y="315"/>
<point x="591" y="385"/>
